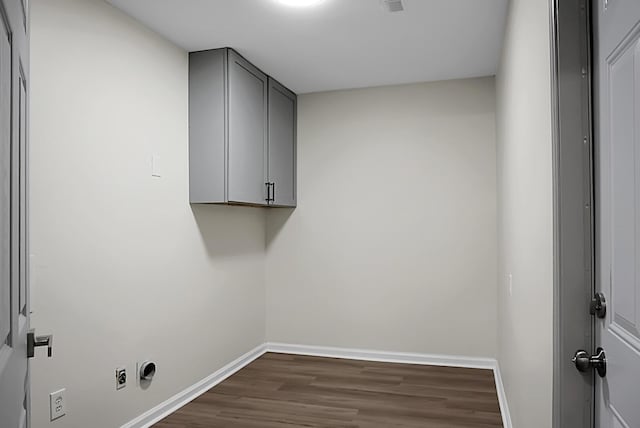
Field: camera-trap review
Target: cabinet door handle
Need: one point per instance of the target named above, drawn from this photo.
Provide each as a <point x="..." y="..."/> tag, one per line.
<point x="268" y="199"/>
<point x="273" y="192"/>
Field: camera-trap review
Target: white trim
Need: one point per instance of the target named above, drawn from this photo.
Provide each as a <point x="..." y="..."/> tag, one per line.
<point x="383" y="356"/>
<point x="180" y="399"/>
<point x="502" y="397"/>
<point x="177" y="401"/>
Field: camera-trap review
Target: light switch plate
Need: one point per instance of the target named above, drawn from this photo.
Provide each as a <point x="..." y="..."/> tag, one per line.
<point x="155" y="166"/>
<point x="57" y="404"/>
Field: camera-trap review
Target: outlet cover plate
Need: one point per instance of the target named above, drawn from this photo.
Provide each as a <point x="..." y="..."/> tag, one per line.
<point x="57" y="405"/>
<point x="121" y="378"/>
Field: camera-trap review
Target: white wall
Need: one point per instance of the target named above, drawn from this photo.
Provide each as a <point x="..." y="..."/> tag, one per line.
<point x="124" y="269"/>
<point x="393" y="243"/>
<point x="525" y="210"/>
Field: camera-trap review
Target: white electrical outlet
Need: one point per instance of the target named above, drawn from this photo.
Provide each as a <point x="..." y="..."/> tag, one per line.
<point x="121" y="378"/>
<point x="57" y="404"/>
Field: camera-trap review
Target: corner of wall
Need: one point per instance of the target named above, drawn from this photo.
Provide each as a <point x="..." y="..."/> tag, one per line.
<point x="525" y="214"/>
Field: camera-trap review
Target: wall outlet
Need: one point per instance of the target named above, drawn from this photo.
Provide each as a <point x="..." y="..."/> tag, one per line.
<point x="57" y="404"/>
<point x="121" y="378"/>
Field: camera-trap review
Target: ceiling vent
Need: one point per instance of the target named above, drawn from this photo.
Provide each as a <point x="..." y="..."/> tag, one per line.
<point x="393" y="5"/>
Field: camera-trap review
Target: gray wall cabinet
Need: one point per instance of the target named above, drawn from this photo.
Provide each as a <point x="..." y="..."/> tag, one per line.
<point x="242" y="133"/>
<point x="282" y="145"/>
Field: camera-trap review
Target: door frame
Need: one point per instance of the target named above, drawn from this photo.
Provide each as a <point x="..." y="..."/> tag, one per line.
<point x="573" y="210"/>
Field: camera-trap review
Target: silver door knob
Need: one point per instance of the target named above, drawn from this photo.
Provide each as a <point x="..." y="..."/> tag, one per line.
<point x="585" y="362"/>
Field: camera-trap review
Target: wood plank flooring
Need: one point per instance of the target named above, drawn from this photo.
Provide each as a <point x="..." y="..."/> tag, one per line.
<point x="285" y="391"/>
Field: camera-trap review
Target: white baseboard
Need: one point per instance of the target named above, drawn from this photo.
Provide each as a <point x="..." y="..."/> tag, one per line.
<point x="174" y="403"/>
<point x="180" y="399"/>
<point x="383" y="356"/>
<point x="502" y="397"/>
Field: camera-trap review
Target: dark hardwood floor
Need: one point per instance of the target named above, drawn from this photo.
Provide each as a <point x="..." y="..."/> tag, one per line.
<point x="285" y="391"/>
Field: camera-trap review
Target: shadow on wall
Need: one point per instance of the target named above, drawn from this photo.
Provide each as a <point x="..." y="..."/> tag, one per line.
<point x="276" y="219"/>
<point x="230" y="231"/>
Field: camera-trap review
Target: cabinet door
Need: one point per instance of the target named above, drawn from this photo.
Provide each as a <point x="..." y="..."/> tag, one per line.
<point x="282" y="145"/>
<point x="247" y="132"/>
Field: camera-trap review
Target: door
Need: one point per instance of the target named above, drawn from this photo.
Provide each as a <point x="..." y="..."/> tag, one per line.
<point x="282" y="145"/>
<point x="617" y="108"/>
<point x="247" y="132"/>
<point x="14" y="297"/>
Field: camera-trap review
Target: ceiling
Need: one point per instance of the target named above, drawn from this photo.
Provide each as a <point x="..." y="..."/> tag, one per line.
<point x="338" y="44"/>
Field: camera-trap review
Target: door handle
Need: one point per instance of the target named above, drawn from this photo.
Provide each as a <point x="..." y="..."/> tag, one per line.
<point x="271" y="191"/>
<point x="583" y="361"/>
<point x="34" y="342"/>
